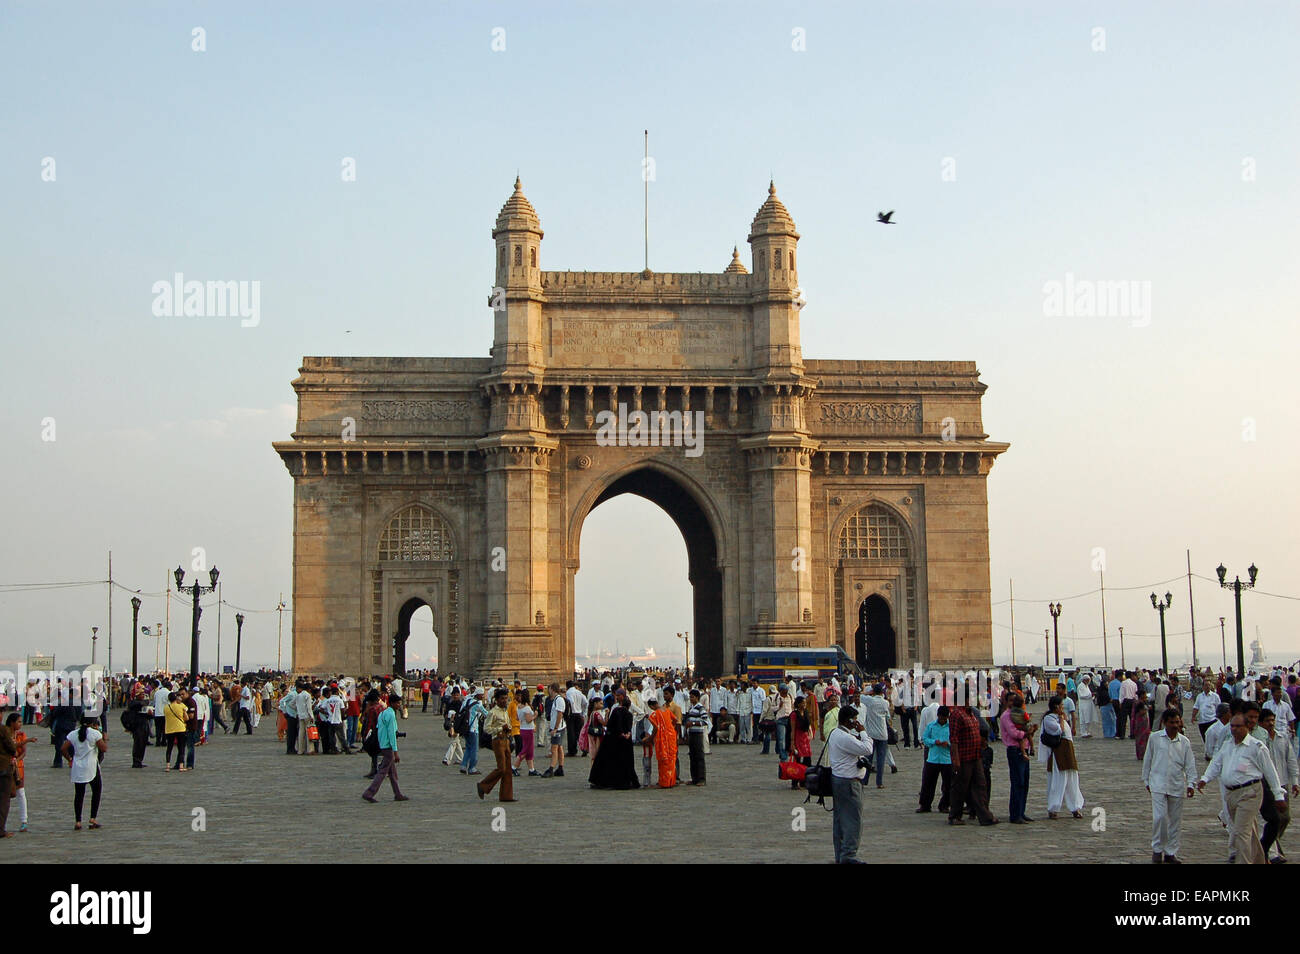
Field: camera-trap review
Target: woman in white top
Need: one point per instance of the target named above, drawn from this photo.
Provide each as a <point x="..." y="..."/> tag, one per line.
<point x="527" y="734"/>
<point x="1086" y="708"/>
<point x="82" y="750"/>
<point x="1063" y="767"/>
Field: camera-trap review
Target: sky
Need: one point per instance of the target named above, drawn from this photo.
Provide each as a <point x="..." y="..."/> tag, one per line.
<point x="1020" y="143"/>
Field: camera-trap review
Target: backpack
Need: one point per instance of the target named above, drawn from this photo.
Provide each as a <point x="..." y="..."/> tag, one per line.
<point x="461" y="723"/>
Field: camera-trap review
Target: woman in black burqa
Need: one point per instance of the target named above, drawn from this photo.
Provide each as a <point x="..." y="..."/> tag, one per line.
<point x="613" y="766"/>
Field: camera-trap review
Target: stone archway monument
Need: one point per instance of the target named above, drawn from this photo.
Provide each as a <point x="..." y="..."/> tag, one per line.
<point x="802" y="488"/>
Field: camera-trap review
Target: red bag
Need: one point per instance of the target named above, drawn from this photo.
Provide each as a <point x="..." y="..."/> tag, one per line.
<point x="792" y="771"/>
<point x="313" y="733"/>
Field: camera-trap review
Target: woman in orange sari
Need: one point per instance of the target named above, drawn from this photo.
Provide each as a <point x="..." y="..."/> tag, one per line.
<point x="665" y="743"/>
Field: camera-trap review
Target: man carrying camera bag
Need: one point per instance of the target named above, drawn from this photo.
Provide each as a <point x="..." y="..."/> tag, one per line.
<point x="850" y="753"/>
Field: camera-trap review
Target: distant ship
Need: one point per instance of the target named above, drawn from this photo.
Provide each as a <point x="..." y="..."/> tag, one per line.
<point x="1258" y="658"/>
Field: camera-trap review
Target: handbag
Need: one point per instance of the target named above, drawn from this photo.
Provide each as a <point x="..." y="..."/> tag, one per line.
<point x="817" y="780"/>
<point x="1052" y="741"/>
<point x="892" y="736"/>
<point x="313" y="734"/>
<point x="791" y="771"/>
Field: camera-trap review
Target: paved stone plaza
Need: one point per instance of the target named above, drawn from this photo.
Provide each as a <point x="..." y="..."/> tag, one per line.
<point x="262" y="805"/>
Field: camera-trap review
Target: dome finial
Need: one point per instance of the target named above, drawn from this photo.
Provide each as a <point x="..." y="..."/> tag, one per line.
<point x="771" y="187"/>
<point x="736" y="266"/>
<point x="519" y="187"/>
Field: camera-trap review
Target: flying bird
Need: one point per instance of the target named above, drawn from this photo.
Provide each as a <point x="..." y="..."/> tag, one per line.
<point x="883" y="217"/>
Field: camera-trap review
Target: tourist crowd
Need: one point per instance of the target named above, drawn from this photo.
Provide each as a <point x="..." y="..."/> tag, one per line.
<point x="1245" y="734"/>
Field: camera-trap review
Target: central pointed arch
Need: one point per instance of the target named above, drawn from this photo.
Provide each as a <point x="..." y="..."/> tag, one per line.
<point x="697" y="518"/>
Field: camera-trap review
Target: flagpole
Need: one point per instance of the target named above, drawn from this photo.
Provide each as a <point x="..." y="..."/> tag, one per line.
<point x="645" y="182"/>
<point x="1191" y="606"/>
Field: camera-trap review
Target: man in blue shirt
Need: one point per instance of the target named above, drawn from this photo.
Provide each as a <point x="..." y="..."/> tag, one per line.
<point x="1116" y="707"/>
<point x="386" y="735"/>
<point x="938" y="763"/>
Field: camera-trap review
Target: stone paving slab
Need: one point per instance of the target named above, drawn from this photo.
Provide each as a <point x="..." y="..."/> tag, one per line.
<point x="262" y="805"/>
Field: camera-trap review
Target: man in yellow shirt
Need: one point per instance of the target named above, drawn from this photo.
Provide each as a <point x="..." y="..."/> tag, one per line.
<point x="498" y="727"/>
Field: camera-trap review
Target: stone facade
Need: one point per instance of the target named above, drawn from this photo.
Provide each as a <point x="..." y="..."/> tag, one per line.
<point x="821" y="501"/>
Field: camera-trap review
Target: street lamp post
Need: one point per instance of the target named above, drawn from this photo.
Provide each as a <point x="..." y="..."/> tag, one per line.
<point x="687" y="637"/>
<point x="135" y="635"/>
<point x="1223" y="642"/>
<point x="195" y="591"/>
<point x="1236" y="586"/>
<point x="94" y="638"/>
<point x="1055" y="610"/>
<point x="1047" y="647"/>
<point x="1161" y="607"/>
<point x="239" y="640"/>
<point x="279" y="634"/>
<point x="1121" y="650"/>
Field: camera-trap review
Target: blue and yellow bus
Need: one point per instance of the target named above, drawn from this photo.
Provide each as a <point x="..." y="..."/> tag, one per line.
<point x="772" y="664"/>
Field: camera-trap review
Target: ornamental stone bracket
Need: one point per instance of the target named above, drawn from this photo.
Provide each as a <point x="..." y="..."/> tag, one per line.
<point x="525" y="451"/>
<point x="768" y="451"/>
<point x="926" y="460"/>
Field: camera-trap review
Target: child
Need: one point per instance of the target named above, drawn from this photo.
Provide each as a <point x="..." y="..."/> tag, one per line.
<point x="1020" y="719"/>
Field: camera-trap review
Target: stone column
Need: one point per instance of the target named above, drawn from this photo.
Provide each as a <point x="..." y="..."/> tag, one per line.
<point x="780" y="480"/>
<point x="517" y="457"/>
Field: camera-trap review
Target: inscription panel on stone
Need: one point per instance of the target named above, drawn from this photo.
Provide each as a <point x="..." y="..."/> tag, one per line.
<point x="416" y="410"/>
<point x="660" y="338"/>
<point x="870" y="417"/>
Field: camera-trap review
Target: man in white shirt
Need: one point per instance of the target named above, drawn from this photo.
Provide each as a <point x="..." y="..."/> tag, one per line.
<point x="848" y="747"/>
<point x="1206" y="708"/>
<point x="1169" y="773"/>
<point x="757" y="696"/>
<point x="875" y="716"/>
<point x="575" y="709"/>
<point x="1280" y="705"/>
<point x="334" y="704"/>
<point x="744" y="701"/>
<point x="243" y="714"/>
<point x="264" y="702"/>
<point x="401" y="694"/>
<point x="557" y="728"/>
<point x="1128" y="693"/>
<point x="1218" y="730"/>
<point x="306" y="717"/>
<point x="1243" y="767"/>
<point x="203" y="710"/>
<point x="159" y="709"/>
<point x="1284" y="763"/>
<point x="1248" y="688"/>
<point x="1162" y="694"/>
